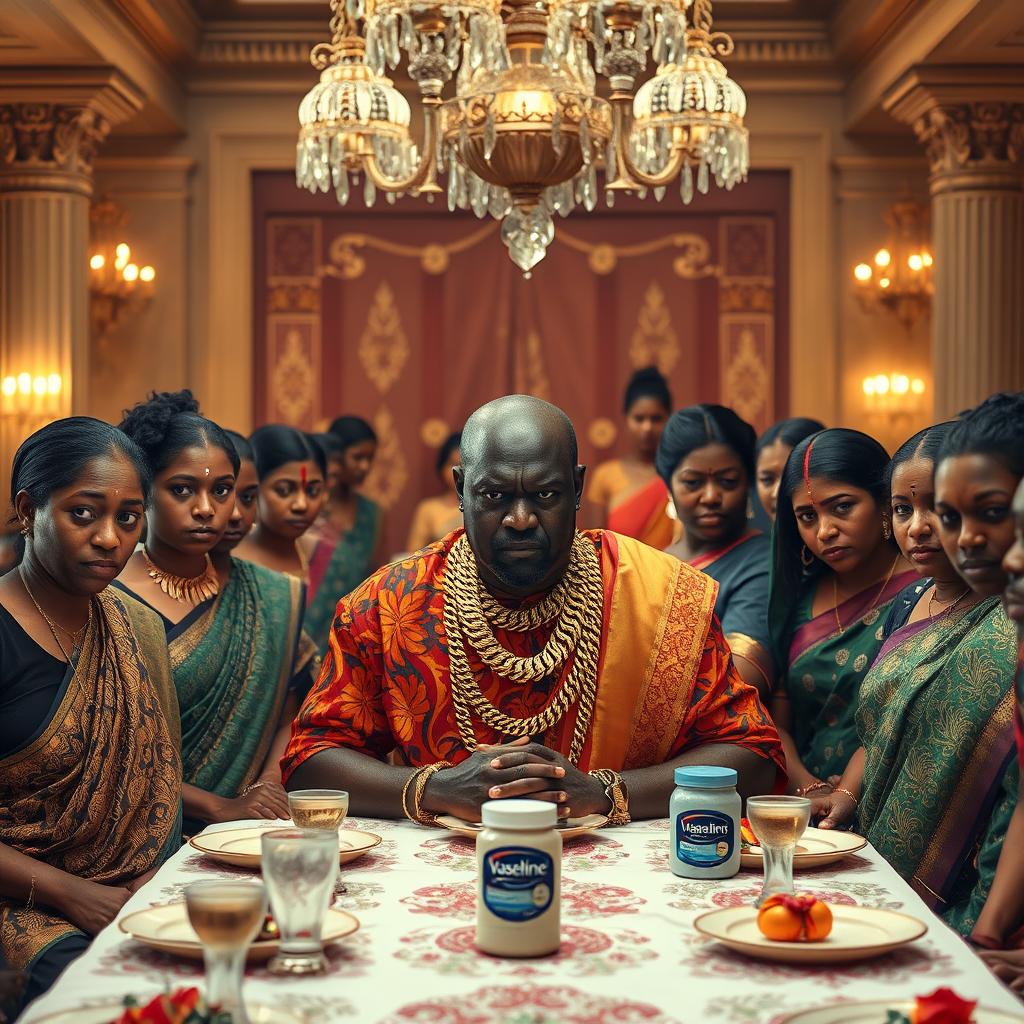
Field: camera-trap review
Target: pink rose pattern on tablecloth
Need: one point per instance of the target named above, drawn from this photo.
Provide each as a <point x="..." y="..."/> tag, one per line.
<point x="353" y="896"/>
<point x="579" y="899"/>
<point x="584" y="952"/>
<point x="529" y="1004"/>
<point x="584" y="853"/>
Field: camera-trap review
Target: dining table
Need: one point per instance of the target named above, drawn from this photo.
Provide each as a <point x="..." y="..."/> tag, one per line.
<point x="629" y="950"/>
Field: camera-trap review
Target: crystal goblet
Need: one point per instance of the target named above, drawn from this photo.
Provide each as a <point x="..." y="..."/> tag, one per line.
<point x="778" y="822"/>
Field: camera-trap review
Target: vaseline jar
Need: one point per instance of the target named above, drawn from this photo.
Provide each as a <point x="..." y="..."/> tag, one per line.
<point x="519" y="863"/>
<point x="704" y="822"/>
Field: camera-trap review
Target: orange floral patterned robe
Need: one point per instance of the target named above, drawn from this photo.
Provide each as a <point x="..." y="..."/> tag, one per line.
<point x="666" y="681"/>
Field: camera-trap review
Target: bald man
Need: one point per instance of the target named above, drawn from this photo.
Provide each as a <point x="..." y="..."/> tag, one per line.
<point x="522" y="658"/>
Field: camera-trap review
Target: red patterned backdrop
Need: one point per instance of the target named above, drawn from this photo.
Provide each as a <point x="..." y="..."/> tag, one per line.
<point x="412" y="317"/>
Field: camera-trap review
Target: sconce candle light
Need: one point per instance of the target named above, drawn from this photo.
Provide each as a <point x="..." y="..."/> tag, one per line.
<point x="117" y="283"/>
<point x="896" y="394"/>
<point x="25" y="394"/>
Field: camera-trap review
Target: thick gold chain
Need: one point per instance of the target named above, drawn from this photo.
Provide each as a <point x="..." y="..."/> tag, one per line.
<point x="471" y="615"/>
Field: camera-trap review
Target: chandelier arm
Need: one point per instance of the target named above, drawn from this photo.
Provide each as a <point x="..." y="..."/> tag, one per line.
<point x="424" y="176"/>
<point x="621" y="103"/>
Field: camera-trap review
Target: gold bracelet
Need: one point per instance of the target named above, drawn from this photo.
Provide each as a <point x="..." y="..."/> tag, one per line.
<point x="405" y="793"/>
<point x="618" y="795"/>
<point x="424" y="776"/>
<point x="248" y="789"/>
<point x="31" y="894"/>
<point x="846" y="792"/>
<point x="813" y="788"/>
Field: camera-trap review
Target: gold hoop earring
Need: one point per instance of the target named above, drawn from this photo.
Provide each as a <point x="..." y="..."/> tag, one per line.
<point x="886" y="528"/>
<point x="806" y="558"/>
<point x="24" y="527"/>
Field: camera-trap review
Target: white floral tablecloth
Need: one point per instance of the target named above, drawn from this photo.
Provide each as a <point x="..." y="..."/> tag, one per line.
<point x="629" y="952"/>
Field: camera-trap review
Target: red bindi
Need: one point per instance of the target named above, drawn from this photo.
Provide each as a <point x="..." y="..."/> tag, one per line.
<point x="302" y="475"/>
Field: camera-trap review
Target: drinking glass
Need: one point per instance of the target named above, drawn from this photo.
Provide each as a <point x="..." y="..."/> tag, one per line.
<point x="318" y="808"/>
<point x="227" y="917"/>
<point x="778" y="822"/>
<point x="299" y="868"/>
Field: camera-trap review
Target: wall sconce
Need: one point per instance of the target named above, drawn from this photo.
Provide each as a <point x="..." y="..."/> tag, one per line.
<point x="39" y="396"/>
<point x="899" y="277"/>
<point x="117" y="283"/>
<point x="894" y="394"/>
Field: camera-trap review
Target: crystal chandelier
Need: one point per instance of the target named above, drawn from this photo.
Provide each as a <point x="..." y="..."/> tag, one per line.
<point x="523" y="132"/>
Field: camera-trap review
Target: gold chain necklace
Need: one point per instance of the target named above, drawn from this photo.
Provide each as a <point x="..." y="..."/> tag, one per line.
<point x="947" y="610"/>
<point x="194" y="590"/>
<point x="835" y="596"/>
<point x="471" y="615"/>
<point x="76" y="644"/>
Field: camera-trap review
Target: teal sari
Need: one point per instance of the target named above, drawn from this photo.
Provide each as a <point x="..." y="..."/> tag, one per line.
<point x="940" y="779"/>
<point x="337" y="566"/>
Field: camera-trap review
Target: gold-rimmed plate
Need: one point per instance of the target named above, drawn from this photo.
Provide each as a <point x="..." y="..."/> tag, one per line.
<point x="875" y="1013"/>
<point x="166" y="928"/>
<point x="858" y="933"/>
<point x="240" y="847"/>
<point x="109" y="1012"/>
<point x="815" y="848"/>
<point x="569" y="828"/>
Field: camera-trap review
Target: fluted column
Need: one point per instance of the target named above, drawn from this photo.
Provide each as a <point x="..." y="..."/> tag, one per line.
<point x="975" y="150"/>
<point x="47" y="148"/>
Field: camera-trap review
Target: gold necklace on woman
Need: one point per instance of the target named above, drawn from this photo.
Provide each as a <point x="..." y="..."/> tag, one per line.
<point x="949" y="608"/>
<point x="471" y="615"/>
<point x="77" y="637"/>
<point x="835" y="596"/>
<point x="194" y="589"/>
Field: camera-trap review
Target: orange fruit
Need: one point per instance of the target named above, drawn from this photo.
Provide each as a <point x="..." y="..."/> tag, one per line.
<point x="794" y="918"/>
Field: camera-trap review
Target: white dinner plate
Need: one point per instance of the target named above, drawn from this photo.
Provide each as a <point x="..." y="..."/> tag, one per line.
<point x="875" y="1013"/>
<point x="240" y="847"/>
<point x="167" y="929"/>
<point x="569" y="828"/>
<point x="816" y="848"/>
<point x="858" y="933"/>
<point x="110" y="1012"/>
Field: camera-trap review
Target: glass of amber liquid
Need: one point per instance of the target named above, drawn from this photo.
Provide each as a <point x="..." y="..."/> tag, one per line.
<point x="227" y="917"/>
<point x="778" y="822"/>
<point x="320" y="809"/>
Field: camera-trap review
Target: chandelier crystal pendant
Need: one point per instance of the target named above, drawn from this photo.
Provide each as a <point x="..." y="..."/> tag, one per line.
<point x="525" y="132"/>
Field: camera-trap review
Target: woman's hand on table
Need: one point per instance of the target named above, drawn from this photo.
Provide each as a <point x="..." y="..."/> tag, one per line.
<point x="1007" y="965"/>
<point x="834" y="809"/>
<point x="89" y="905"/>
<point x="267" y="800"/>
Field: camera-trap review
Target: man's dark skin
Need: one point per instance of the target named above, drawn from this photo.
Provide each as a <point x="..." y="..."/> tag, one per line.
<point x="521" y="488"/>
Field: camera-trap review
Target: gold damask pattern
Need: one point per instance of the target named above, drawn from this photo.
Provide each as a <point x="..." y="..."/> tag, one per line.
<point x="347" y="262"/>
<point x="745" y="377"/>
<point x="530" y="374"/>
<point x="692" y="262"/>
<point x="390" y="471"/>
<point x="602" y="433"/>
<point x="654" y="340"/>
<point x="383" y="347"/>
<point x="293" y="380"/>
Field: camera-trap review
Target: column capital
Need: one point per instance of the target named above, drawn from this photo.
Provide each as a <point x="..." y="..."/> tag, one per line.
<point x="52" y="120"/>
<point x="970" y="122"/>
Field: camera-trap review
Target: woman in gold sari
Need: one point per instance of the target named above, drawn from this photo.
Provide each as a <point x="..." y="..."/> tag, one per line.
<point x="90" y="775"/>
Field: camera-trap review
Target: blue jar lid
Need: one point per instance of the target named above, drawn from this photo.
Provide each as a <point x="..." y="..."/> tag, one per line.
<point x="699" y="776"/>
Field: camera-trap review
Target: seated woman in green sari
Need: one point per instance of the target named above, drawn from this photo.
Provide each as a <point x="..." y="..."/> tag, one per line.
<point x="706" y="458"/>
<point x="343" y="547"/>
<point x="90" y="775"/>
<point x="935" y="711"/>
<point x="234" y="648"/>
<point x="835" y="570"/>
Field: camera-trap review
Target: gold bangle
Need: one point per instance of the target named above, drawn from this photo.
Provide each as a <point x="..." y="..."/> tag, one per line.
<point x="813" y="788"/>
<point x="31" y="894"/>
<point x="846" y="792"/>
<point x="413" y="775"/>
<point x="248" y="789"/>
<point x="422" y="778"/>
<point x="618" y="795"/>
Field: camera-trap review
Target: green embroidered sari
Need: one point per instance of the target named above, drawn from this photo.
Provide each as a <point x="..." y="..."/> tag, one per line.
<point x="337" y="566"/>
<point x="940" y="780"/>
<point x="826" y="669"/>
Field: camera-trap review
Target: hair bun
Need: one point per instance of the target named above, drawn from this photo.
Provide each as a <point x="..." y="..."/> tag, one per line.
<point x="148" y="422"/>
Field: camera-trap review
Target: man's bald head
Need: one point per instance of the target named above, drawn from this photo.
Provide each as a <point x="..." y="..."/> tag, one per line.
<point x="520" y="487"/>
<point x="518" y="420"/>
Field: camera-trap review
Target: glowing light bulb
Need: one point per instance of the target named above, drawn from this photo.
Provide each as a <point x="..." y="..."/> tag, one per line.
<point x="147" y="274"/>
<point x="98" y="262"/>
<point x="915" y="261"/>
<point x="39" y="385"/>
<point x="884" y="282"/>
<point x="54" y="384"/>
<point x="900" y="384"/>
<point x="882" y="384"/>
<point x="123" y="251"/>
<point x="862" y="272"/>
<point x="131" y="272"/>
<point x="926" y="259"/>
<point x="883" y="258"/>
<point x="10" y="386"/>
<point x="25" y="383"/>
<point x="868" y="384"/>
<point x="917" y="386"/>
